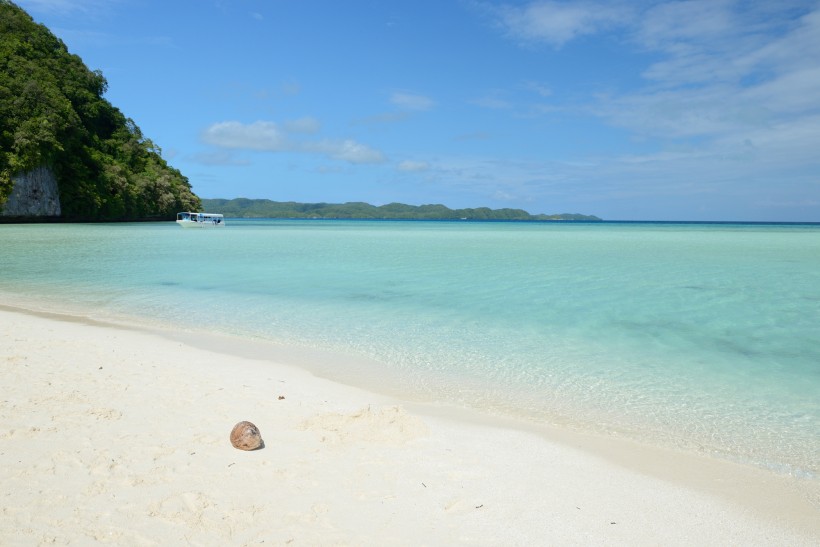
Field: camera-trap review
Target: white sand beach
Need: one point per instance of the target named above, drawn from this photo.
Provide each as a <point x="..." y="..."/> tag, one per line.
<point x="120" y="436"/>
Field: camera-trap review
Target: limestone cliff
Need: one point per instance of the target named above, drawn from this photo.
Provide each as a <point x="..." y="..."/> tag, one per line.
<point x="35" y="194"/>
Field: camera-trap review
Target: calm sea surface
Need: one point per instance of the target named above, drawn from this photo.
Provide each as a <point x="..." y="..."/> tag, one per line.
<point x="698" y="336"/>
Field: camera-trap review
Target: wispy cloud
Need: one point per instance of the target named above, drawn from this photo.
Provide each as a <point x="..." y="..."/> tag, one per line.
<point x="712" y="42"/>
<point x="538" y="88"/>
<point x="734" y="89"/>
<point x="710" y="51"/>
<point x="492" y="101"/>
<point x="258" y="135"/>
<point x="725" y="71"/>
<point x="556" y="23"/>
<point x="412" y="101"/>
<point x="347" y="150"/>
<point x="407" y="105"/>
<point x="413" y="166"/>
<point x="268" y="136"/>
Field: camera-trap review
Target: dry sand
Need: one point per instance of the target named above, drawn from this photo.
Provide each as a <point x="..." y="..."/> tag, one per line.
<point x="120" y="436"/>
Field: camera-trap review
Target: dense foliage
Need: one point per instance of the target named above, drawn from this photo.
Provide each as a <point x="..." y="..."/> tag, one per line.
<point x="52" y="114"/>
<point x="264" y="208"/>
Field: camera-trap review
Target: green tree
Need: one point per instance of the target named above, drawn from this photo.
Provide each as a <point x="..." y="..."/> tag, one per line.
<point x="53" y="114"/>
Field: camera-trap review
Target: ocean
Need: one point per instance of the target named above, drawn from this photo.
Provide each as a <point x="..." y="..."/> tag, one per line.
<point x="700" y="337"/>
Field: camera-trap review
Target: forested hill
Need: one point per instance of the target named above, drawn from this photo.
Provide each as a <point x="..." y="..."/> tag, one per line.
<point x="264" y="208"/>
<point x="53" y="116"/>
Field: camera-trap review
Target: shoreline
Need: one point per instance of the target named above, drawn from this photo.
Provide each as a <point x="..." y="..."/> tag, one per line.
<point x="359" y="370"/>
<point x="334" y="454"/>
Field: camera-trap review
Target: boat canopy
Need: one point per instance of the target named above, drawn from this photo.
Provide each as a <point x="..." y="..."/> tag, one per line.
<point x="188" y="218"/>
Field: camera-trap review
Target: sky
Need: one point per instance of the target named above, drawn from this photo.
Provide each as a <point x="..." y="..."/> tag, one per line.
<point x="628" y="110"/>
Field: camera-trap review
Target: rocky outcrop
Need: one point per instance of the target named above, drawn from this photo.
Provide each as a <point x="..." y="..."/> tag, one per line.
<point x="35" y="194"/>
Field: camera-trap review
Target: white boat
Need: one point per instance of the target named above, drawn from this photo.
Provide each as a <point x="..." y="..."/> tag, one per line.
<point x="200" y="220"/>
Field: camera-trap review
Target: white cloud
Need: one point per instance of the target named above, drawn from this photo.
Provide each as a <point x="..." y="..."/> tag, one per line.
<point x="794" y="92"/>
<point x="269" y="137"/>
<point x="412" y="101"/>
<point x="724" y="67"/>
<point x="347" y="150"/>
<point x="725" y="79"/>
<point x="259" y="135"/>
<point x="695" y="20"/>
<point x="705" y="43"/>
<point x="557" y="23"/>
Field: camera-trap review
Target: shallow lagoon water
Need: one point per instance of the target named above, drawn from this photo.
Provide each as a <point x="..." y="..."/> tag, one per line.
<point x="704" y="337"/>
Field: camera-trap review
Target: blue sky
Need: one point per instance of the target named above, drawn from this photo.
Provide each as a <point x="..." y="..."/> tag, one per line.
<point x="692" y="110"/>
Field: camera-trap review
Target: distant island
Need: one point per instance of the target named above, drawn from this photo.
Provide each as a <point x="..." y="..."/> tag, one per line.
<point x="265" y="208"/>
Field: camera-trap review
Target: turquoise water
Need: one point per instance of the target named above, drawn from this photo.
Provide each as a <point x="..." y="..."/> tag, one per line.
<point x="695" y="336"/>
